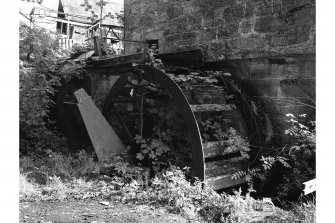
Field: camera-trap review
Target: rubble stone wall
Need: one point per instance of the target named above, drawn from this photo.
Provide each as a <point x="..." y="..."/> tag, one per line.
<point x="224" y="29"/>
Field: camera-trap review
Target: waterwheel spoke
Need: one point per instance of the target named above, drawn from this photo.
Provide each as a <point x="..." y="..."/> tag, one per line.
<point x="141" y="99"/>
<point x="123" y="124"/>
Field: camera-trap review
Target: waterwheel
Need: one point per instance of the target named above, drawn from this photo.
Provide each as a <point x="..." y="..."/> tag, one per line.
<point x="188" y="112"/>
<point x="181" y="116"/>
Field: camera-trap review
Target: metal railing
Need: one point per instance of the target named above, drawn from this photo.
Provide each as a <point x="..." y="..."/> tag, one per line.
<point x="65" y="43"/>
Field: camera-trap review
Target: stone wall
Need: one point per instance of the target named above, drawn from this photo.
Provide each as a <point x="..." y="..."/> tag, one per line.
<point x="223" y="28"/>
<point x="268" y="45"/>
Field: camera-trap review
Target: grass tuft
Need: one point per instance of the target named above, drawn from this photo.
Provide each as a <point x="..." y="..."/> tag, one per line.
<point x="28" y="189"/>
<point x="305" y="212"/>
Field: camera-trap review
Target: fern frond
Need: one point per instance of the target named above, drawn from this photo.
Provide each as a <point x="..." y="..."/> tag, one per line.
<point x="238" y="175"/>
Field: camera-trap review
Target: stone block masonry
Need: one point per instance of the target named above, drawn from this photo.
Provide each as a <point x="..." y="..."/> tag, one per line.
<point x="265" y="44"/>
<point x="224" y="29"/>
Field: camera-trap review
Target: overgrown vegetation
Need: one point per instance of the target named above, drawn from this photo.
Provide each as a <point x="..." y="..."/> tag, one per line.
<point x="301" y="155"/>
<point x="49" y="172"/>
<point x="37" y="59"/>
<point x="295" y="162"/>
<point x="42" y="68"/>
<point x="282" y="168"/>
<point x="59" y="177"/>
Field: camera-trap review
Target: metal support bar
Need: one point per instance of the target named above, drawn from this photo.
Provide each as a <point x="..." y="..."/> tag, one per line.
<point x="141" y="101"/>
<point x="123" y="124"/>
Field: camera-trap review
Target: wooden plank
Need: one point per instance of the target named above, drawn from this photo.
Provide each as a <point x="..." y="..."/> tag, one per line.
<point x="86" y="55"/>
<point x="221" y="182"/>
<point x="218" y="148"/>
<point x="103" y="138"/>
<point x="120" y="60"/>
<point x="211" y="107"/>
<point x="97" y="46"/>
<point x="224" y="167"/>
<point x="208" y="94"/>
<point x="190" y="58"/>
<point x="233" y="116"/>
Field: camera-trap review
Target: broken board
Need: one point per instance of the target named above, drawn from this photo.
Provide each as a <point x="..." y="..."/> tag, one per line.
<point x="103" y="137"/>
